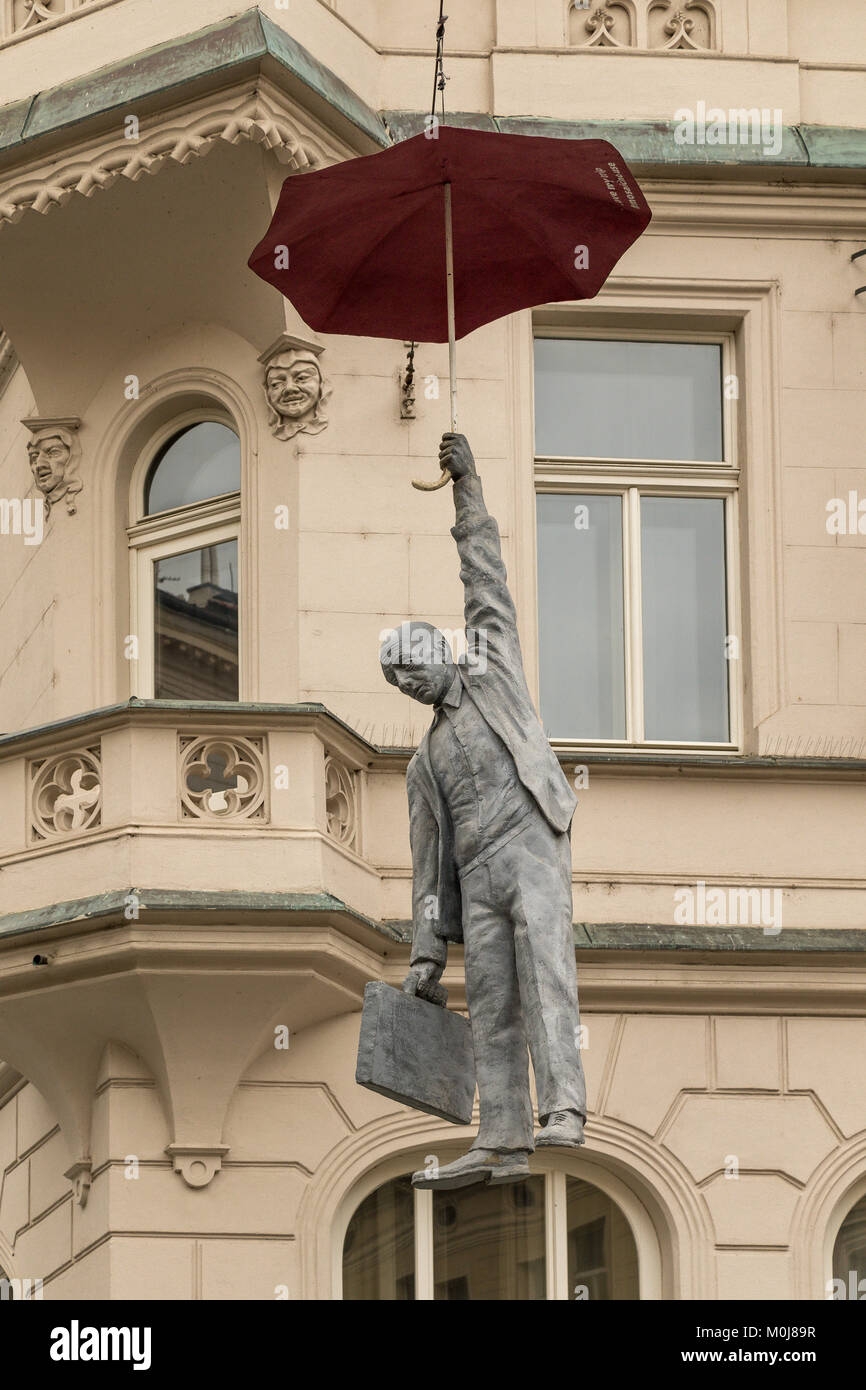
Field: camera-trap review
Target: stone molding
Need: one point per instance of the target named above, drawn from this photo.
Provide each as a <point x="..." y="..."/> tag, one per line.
<point x="665" y="26"/>
<point x="259" y="113"/>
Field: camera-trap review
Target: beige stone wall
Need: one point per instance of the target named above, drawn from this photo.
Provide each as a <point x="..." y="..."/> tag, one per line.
<point x="694" y="1066"/>
<point x="735" y="1134"/>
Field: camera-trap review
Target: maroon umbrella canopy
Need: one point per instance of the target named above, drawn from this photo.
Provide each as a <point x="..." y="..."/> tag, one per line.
<point x="535" y="220"/>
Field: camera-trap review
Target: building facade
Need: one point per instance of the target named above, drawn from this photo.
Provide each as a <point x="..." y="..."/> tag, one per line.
<point x="207" y="523"/>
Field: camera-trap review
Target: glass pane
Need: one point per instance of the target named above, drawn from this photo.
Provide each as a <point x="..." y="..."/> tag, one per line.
<point x="684" y="619"/>
<point x="379" y="1249"/>
<point x="196" y="613"/>
<point x="600" y="398"/>
<point x="200" y="462"/>
<point x="849" y="1254"/>
<point x="602" y="1256"/>
<point x="488" y="1242"/>
<point x="580" y="616"/>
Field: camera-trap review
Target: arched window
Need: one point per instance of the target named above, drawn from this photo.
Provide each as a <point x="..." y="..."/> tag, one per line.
<point x="550" y="1236"/>
<point x="849" y="1255"/>
<point x="185" y="546"/>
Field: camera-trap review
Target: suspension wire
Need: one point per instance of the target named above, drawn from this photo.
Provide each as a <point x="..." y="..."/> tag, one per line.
<point x="439" y="78"/>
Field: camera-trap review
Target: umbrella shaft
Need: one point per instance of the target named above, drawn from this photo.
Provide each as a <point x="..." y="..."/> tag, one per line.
<point x="449" y="291"/>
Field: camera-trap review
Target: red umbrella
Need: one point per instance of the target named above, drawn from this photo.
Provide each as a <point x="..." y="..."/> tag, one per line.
<point x="442" y="233"/>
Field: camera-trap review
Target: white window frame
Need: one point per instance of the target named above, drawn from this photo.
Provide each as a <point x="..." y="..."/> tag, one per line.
<point x="555" y="1172"/>
<point x="173" y="532"/>
<point x="631" y="479"/>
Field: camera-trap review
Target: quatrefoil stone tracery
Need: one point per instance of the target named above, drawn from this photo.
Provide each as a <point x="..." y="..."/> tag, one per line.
<point x="66" y="793"/>
<point x="222" y="778"/>
<point x="340" y="802"/>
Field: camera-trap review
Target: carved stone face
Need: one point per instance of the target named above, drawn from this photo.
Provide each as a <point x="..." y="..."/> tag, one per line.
<point x="294" y="389"/>
<point x="49" y="459"/>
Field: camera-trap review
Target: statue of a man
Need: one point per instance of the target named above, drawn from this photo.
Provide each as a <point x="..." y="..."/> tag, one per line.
<point x="297" y="393"/>
<point x="490" y="815"/>
<point x="53" y="451"/>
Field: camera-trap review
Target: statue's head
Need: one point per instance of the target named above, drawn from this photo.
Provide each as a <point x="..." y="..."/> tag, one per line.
<point x="297" y="393"/>
<point x="417" y="659"/>
<point x="50" y="452"/>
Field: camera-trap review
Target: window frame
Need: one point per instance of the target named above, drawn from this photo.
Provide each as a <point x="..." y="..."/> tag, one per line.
<point x="631" y="479"/>
<point x="162" y="534"/>
<point x="555" y="1169"/>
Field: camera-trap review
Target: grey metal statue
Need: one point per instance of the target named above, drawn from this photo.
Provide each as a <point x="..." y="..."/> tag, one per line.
<point x="490" y="814"/>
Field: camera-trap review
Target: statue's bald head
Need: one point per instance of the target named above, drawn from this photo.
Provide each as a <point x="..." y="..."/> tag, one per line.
<point x="417" y="659"/>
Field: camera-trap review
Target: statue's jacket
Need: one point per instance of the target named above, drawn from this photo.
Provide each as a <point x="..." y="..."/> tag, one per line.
<point x="495" y="681"/>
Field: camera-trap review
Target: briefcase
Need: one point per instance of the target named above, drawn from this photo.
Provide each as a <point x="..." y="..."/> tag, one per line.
<point x="417" y="1053"/>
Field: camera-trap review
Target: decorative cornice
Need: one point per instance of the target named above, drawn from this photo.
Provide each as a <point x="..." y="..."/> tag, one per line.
<point x="258" y="113"/>
<point x="231" y="906"/>
<point x="359" y="751"/>
<point x="651" y="144"/>
<point x="241" y="45"/>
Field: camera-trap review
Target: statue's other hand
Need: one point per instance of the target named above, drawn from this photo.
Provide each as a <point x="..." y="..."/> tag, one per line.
<point x="423" y="980"/>
<point x="456" y="455"/>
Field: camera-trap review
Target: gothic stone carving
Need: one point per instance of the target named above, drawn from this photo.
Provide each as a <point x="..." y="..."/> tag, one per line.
<point x="689" y="27"/>
<point x="66" y="793"/>
<point x="54" y="453"/>
<point x="222" y="778"/>
<point x="263" y="115"/>
<point x="670" y="25"/>
<point x="341" y="803"/>
<point x="296" y="390"/>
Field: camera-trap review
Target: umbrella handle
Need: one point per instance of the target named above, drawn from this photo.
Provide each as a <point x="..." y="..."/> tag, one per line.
<point x="452" y="345"/>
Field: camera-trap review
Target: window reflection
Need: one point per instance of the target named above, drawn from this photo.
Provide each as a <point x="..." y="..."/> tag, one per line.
<point x="201" y="461"/>
<point x="379" y="1248"/>
<point x="580" y="615"/>
<point x="196" y="613"/>
<point x="488" y="1242"/>
<point x="603" y="398"/>
<point x="849" y="1253"/>
<point x="602" y="1257"/>
<point x="684" y="619"/>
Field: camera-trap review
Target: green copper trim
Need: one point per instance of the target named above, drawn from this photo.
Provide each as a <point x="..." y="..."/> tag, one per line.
<point x="653" y="143"/>
<point x="245" y="41"/>
<point x="110" y="909"/>
<point x="175" y="904"/>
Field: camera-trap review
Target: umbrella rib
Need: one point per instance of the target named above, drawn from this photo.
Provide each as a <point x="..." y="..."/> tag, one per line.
<point x="357" y="265"/>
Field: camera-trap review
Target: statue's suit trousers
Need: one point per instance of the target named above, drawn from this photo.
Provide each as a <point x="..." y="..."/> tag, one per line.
<point x="521" y="984"/>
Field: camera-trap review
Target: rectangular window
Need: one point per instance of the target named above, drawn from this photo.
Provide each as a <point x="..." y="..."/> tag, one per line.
<point x="636" y="533"/>
<point x="196" y="624"/>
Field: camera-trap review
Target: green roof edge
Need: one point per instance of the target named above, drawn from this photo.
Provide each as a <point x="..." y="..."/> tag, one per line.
<point x="217" y="48"/>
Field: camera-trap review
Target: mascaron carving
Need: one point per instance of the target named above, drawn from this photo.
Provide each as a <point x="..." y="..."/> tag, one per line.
<point x="222" y="778"/>
<point x="296" y="390"/>
<point x="54" y="453"/>
<point x="66" y="793"/>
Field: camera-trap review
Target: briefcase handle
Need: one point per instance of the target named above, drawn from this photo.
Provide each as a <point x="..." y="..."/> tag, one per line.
<point x="439" y="992"/>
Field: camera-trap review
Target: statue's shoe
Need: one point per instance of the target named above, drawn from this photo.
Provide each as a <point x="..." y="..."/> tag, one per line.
<point x="479" y="1165"/>
<point x="564" y="1130"/>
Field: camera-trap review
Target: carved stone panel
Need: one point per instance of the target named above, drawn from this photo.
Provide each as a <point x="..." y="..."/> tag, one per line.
<point x="681" y="24"/>
<point x="54" y="453"/>
<point x="341" y="802"/>
<point x="671" y="25"/>
<point x="296" y="389"/>
<point x="66" y="793"/>
<point x="222" y="778"/>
